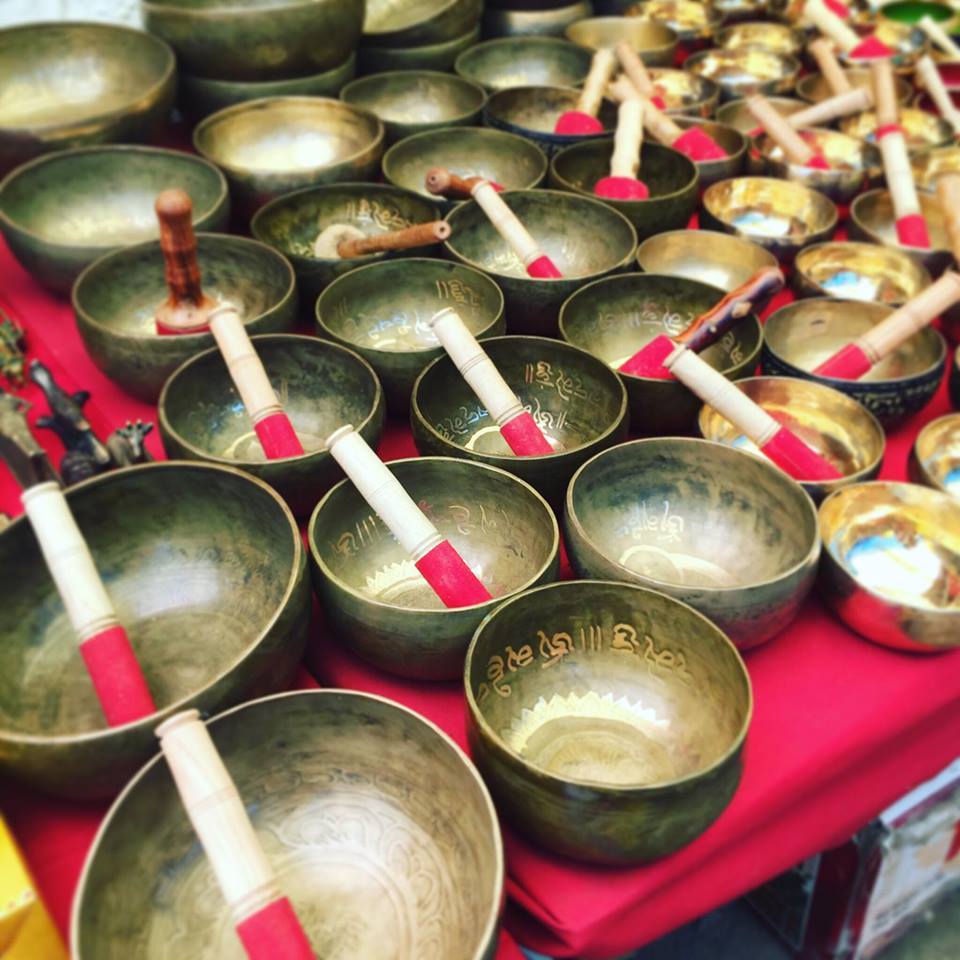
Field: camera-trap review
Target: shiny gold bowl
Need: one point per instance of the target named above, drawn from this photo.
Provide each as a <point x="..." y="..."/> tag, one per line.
<point x="813" y="87"/>
<point x="653" y="40"/>
<point x="732" y="11"/>
<point x="431" y="56"/>
<point x="685" y="93"/>
<point x="922" y="130"/>
<point x="891" y="563"/>
<point x="775" y="37"/>
<point x="734" y="113"/>
<point x="387" y="23"/>
<point x="935" y="457"/>
<point x="930" y="164"/>
<point x="608" y="720"/>
<point x="525" y="62"/>
<point x="743" y="71"/>
<point x="690" y="20"/>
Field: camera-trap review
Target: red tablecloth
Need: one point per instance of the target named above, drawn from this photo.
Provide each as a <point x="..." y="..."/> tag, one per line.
<point x="841" y="729"/>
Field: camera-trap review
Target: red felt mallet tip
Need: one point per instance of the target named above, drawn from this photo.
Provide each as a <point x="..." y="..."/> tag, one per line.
<point x="543" y="268"/>
<point x="837" y="8"/>
<point x="622" y="188"/>
<point x="582" y="120"/>
<point x="802" y="462"/>
<point x="849" y="363"/>
<point x="574" y="124"/>
<point x="623" y="182"/>
<point x="871" y="48"/>
<point x="699" y="146"/>
<point x="912" y="231"/>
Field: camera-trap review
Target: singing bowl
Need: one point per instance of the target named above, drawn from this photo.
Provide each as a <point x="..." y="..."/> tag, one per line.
<point x="431" y="56"/>
<point x="607" y="720"/>
<point x="891" y="561"/>
<point x="377" y="601"/>
<point x="842" y="431"/>
<point x="720" y="529"/>
<point x="523" y="62"/>
<point x="803" y="334"/>
<point x="207" y="572"/>
<point x="615" y="317"/>
<point x="671" y="178"/>
<point x="908" y="43"/>
<point x="743" y="71"/>
<point x="244" y="40"/>
<point x="655" y="42"/>
<point x="75" y="84"/>
<point x="775" y="37"/>
<point x="813" y="87"/>
<point x="549" y="22"/>
<point x="735" y="114"/>
<point x="935" y="457"/>
<point x="398" y="25"/>
<point x="369" y="814"/>
<point x="382" y="311"/>
<point x="922" y="130"/>
<point x="322" y="386"/>
<point x="732" y="11"/>
<point x="733" y="142"/>
<point x="683" y="93"/>
<point x="115" y="301"/>
<point x="277" y="145"/>
<point x="930" y="164"/>
<point x="577" y="401"/>
<point x="690" y="20"/>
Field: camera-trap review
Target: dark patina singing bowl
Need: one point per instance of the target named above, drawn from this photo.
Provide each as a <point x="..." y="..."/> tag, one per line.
<point x="607" y="720"/>
<point x="525" y="61"/>
<point x="803" y="334"/>
<point x="615" y="317"/>
<point x="549" y="22"/>
<point x="322" y="386"/>
<point x="935" y="457"/>
<point x="655" y="42"/>
<point x="733" y="142"/>
<point x="369" y="814"/>
<point x="813" y="87"/>
<point x="690" y="20"/>
<point x="60" y="212"/>
<point x="743" y="71"/>
<point x="115" y="301"/>
<point x="73" y="84"/>
<point x="431" y="56"/>
<point x="383" y="312"/>
<point x="376" y="600"/>
<point x="840" y="429"/>
<point x="722" y="530"/>
<point x="577" y="401"/>
<point x="207" y="572"/>
<point x="585" y="238"/>
<point x="671" y="178"/>
<point x="416" y="24"/>
<point x="921" y="130"/>
<point x="891" y="562"/>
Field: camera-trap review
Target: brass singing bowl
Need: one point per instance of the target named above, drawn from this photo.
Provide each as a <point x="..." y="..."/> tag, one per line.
<point x="240" y="40"/>
<point x="549" y="22"/>
<point x="277" y="145"/>
<point x="743" y="71"/>
<point x="607" y="720"/>
<point x="921" y="130"/>
<point x="322" y="386"/>
<point x="801" y="335"/>
<point x="207" y="572"/>
<point x="775" y="37"/>
<point x="576" y="399"/>
<point x="75" y="84"/>
<point x="813" y="87"/>
<point x="524" y="62"/>
<point x="732" y="11"/>
<point x="683" y="93"/>
<point x="369" y="814"/>
<point x="725" y="531"/>
<point x="733" y="142"/>
<point x="935" y="457"/>
<point x="431" y="56"/>
<point x="891" y="561"/>
<point x="735" y="114"/>
<point x="615" y="317"/>
<point x="839" y="428"/>
<point x="398" y="25"/>
<point x="383" y="311"/>
<point x="655" y="42"/>
<point x="930" y="164"/>
<point x="116" y="298"/>
<point x="690" y="20"/>
<point x="374" y="597"/>
<point x="908" y="43"/>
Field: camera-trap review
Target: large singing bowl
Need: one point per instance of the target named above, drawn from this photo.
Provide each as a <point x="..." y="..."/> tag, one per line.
<point x="720" y="529"/>
<point x="207" y="572"/>
<point x="371" y="817"/>
<point x="607" y="720"/>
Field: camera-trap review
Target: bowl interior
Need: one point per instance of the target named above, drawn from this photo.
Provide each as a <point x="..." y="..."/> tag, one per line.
<point x="921" y="129"/>
<point x="938" y="450"/>
<point x="815" y="88"/>
<point x="385" y="16"/>
<point x="764" y="207"/>
<point x="735" y="113"/>
<point x="873" y="211"/>
<point x="776" y="37"/>
<point x="740" y="66"/>
<point x="685" y="17"/>
<point x="525" y="61"/>
<point x="843" y="153"/>
<point x="678" y="88"/>
<point x="537" y="109"/>
<point x="643" y="35"/>
<point x="410" y="96"/>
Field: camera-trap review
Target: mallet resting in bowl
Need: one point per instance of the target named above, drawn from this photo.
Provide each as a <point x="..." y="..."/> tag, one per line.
<point x="844" y="36"/>
<point x="784" y="135"/>
<point x="583" y="120"/>
<point x="623" y="182"/>
<point x="343" y="240"/>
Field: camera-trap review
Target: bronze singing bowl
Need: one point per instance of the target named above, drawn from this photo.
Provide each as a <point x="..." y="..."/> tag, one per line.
<point x="116" y="298"/>
<point x="690" y="20"/>
<point x="801" y="335"/>
<point x="655" y="42"/>
<point x="576" y="399"/>
<point x="930" y="164"/>
<point x="842" y="431"/>
<point x="369" y="814"/>
<point x="382" y="311"/>
<point x="607" y="720"/>
<point x="615" y="317"/>
<point x="671" y="177"/>
<point x="733" y="142"/>
<point x="417" y="23"/>
<point x="431" y="56"/>
<point x="725" y="531"/>
<point x="685" y="94"/>
<point x="921" y="130"/>
<point x="75" y="84"/>
<point x="207" y="572"/>
<point x="322" y="386"/>
<point x="775" y="37"/>
<point x="735" y="114"/>
<point x="277" y="145"/>
<point x="376" y="600"/>
<point x="891" y="564"/>
<point x="524" y="62"/>
<point x="813" y="87"/>
<point x="244" y="40"/>
<point x="585" y="238"/>
<point x="935" y="457"/>
<point x="62" y="211"/>
<point x="549" y="22"/>
<point x="907" y="41"/>
<point x="743" y="71"/>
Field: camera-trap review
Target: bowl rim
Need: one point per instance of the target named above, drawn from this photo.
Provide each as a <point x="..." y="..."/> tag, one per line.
<point x="436" y="76"/>
<point x="426" y="49"/>
<point x="671" y="36"/>
<point x="856" y="217"/>
<point x="713" y="17"/>
<point x="206" y="12"/>
<point x="151" y="720"/>
<point x="921" y="464"/>
<point x="804" y="83"/>
<point x="772" y="260"/>
<point x="844" y="123"/>
<point x="496" y="835"/>
<point x="790" y="61"/>
<point x="478" y="717"/>
<point x="444" y="6"/>
<point x="783" y="28"/>
<point x="527" y="40"/>
<point x="210" y="85"/>
<point x="764" y="143"/>
<point x="374" y="602"/>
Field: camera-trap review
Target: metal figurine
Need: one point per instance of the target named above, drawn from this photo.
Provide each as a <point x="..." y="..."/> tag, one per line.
<point x="12" y="349"/>
<point x="18" y="447"/>
<point x="126" y="444"/>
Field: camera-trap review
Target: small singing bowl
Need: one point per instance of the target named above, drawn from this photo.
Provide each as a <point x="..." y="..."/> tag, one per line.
<point x="382" y="311"/>
<point x="733" y="142"/>
<point x="615" y="317"/>
<point x="931" y="164"/>
<point x="549" y="22"/>
<point x="935" y="457"/>
<point x="116" y="298"/>
<point x="411" y="101"/>
<point x="891" y="562"/>
<point x="207" y="572"/>
<point x="655" y="42"/>
<point x="322" y="386"/>
<point x="922" y="130"/>
<point x="840" y="429"/>
<point x="603" y="242"/>
<point x="369" y="814"/>
<point x="685" y="94"/>
<point x="735" y="114"/>
<point x="74" y="84"/>
<point x="744" y="71"/>
<point x="577" y="401"/>
<point x="524" y="62"/>
<point x="277" y="145"/>
<point x="690" y="20"/>
<point x="908" y="43"/>
<point x="607" y="720"/>
<point x="780" y="215"/>
<point x="431" y="56"/>
<point x="803" y="334"/>
<point x="813" y="88"/>
<point x="725" y="531"/>
<point x="375" y="598"/>
<point x="671" y="178"/>
<point x="775" y="37"/>
<point x="397" y="25"/>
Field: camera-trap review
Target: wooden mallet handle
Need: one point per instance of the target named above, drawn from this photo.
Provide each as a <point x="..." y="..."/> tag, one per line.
<point x="948" y="193"/>
<point x="601" y="70"/>
<point x="628" y="140"/>
<point x="939" y="36"/>
<point x="418" y="235"/>
<point x="844" y="104"/>
<point x="443" y="183"/>
<point x="795" y="148"/>
<point x="884" y="93"/>
<point x="830" y="25"/>
<point x="930" y="77"/>
<point x="822" y="52"/>
<point x="635" y="69"/>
